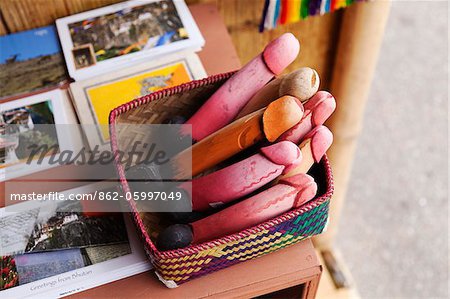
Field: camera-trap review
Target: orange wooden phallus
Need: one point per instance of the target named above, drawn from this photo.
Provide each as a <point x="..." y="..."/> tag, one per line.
<point x="274" y="126"/>
<point x="269" y="123"/>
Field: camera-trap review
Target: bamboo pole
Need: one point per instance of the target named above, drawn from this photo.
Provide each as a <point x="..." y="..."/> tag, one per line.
<point x="360" y="38"/>
<point x="3" y="30"/>
<point x="27" y="14"/>
<point x="76" y="6"/>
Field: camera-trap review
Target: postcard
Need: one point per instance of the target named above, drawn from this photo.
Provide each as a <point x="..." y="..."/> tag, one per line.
<point x="30" y="61"/>
<point x="94" y="99"/>
<point x="31" y="122"/>
<point x="64" y="271"/>
<point x="59" y="226"/>
<point x="35" y="266"/>
<point x="101" y="40"/>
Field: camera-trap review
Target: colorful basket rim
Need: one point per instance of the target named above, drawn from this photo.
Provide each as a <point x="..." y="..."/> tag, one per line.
<point x="194" y="249"/>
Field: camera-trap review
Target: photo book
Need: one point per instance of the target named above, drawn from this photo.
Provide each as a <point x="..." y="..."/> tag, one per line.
<point x="52" y="249"/>
<point x="102" y="40"/>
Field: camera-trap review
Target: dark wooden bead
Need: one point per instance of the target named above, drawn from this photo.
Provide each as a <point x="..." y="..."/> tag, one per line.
<point x="174" y="237"/>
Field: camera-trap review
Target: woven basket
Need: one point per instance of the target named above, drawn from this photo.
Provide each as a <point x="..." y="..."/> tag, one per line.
<point x="175" y="267"/>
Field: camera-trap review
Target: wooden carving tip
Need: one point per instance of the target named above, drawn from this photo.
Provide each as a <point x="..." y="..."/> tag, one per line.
<point x="282" y="153"/>
<point x="307" y="192"/>
<point x="280" y="116"/>
<point x="321" y="105"/>
<point x="306" y="186"/>
<point x="321" y="140"/>
<point x="305" y="164"/>
<point x="281" y="52"/>
<point x="302" y="84"/>
<point x="317" y="110"/>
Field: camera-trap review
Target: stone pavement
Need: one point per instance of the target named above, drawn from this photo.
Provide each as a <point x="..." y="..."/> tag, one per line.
<point x="394" y="228"/>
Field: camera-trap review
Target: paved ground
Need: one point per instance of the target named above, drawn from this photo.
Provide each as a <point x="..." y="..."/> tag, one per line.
<point x="394" y="229"/>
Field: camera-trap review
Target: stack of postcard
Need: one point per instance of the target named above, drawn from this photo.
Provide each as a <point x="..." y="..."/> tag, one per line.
<point x="33" y="105"/>
<point x="114" y="54"/>
<point x="51" y="249"/>
<point x="124" y="51"/>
